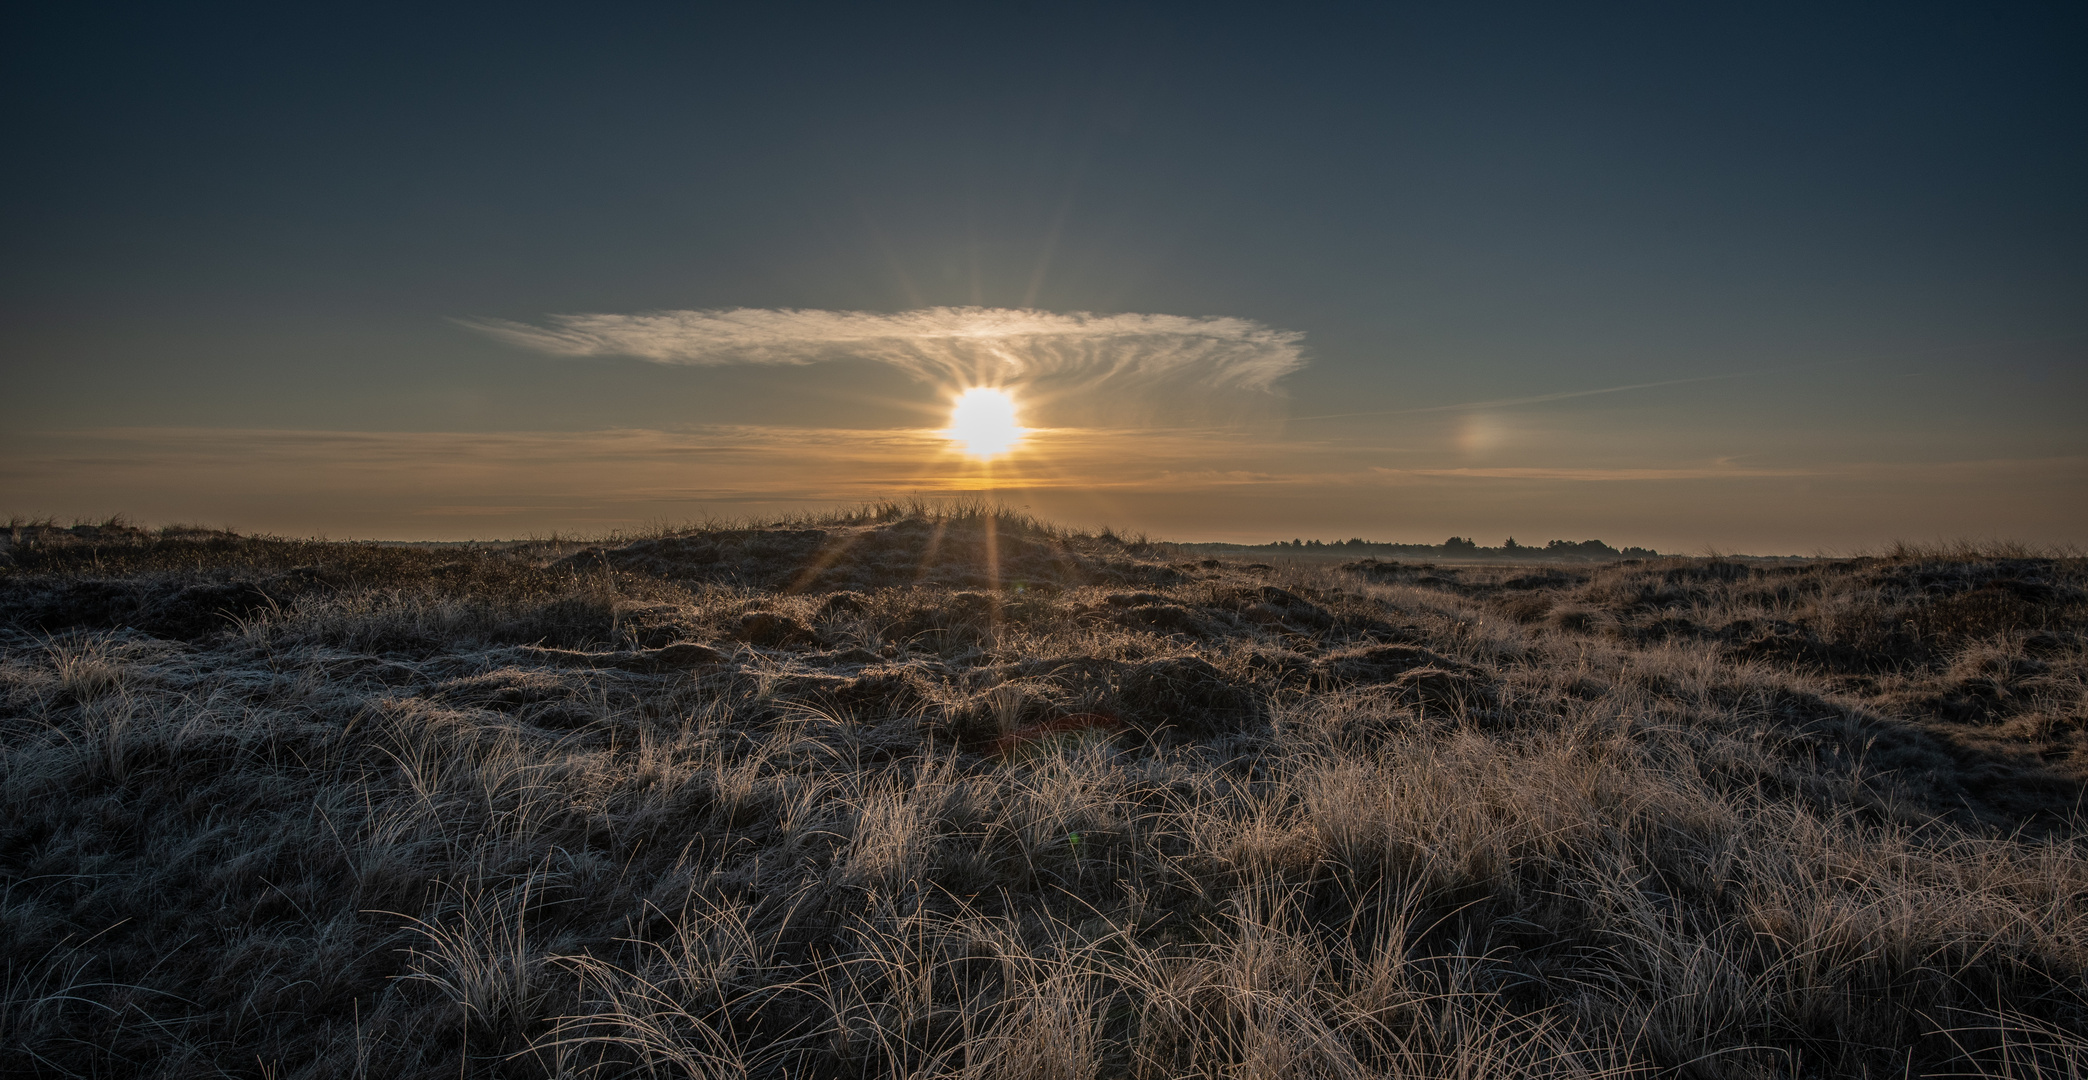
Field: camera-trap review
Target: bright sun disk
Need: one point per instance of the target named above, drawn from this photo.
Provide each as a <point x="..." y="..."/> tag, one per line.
<point x="983" y="423"/>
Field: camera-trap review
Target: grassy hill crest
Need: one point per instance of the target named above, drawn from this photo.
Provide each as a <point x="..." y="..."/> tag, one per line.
<point x="909" y="792"/>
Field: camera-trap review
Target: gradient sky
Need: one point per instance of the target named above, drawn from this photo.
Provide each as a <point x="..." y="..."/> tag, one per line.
<point x="304" y="271"/>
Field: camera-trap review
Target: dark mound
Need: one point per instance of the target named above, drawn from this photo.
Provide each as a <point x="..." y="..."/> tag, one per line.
<point x="978" y="552"/>
<point x="166" y="607"/>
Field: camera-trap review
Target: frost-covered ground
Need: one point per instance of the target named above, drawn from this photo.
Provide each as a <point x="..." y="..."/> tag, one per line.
<point x="900" y="794"/>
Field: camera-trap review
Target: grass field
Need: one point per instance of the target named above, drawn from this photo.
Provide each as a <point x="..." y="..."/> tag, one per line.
<point x="904" y="793"/>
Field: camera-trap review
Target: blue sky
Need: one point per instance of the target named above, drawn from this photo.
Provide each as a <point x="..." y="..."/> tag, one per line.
<point x="251" y="254"/>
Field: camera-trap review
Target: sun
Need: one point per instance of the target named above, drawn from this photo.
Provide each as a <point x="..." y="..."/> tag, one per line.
<point x="983" y="423"/>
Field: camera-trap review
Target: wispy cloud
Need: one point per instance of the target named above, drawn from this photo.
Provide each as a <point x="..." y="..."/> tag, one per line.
<point x="1708" y="472"/>
<point x="1498" y="403"/>
<point x="965" y="345"/>
<point x="1188" y="484"/>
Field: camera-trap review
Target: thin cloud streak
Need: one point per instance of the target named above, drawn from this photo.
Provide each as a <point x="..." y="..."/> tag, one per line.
<point x="1502" y="403"/>
<point x="458" y="485"/>
<point x="1517" y="473"/>
<point x="954" y="345"/>
<point x="748" y="461"/>
<point x="1945" y="350"/>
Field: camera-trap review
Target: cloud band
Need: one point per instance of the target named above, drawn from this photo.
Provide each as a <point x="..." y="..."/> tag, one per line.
<point x="959" y="345"/>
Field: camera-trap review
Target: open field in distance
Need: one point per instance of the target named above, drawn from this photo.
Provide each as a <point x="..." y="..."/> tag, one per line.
<point x="903" y="793"/>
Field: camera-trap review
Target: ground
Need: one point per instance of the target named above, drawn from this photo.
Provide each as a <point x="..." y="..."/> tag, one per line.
<point x="900" y="793"/>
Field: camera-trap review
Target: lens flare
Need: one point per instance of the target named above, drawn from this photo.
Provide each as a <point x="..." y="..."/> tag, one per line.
<point x="983" y="423"/>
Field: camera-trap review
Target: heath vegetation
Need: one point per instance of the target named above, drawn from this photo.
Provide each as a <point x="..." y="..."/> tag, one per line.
<point x="917" y="792"/>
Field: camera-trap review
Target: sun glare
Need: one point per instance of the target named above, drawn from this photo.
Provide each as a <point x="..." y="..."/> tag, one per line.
<point x="983" y="423"/>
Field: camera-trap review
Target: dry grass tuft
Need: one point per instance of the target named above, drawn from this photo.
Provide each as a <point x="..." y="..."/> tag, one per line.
<point x="946" y="792"/>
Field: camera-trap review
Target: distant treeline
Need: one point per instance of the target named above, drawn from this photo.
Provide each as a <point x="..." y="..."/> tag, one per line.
<point x="1457" y="547"/>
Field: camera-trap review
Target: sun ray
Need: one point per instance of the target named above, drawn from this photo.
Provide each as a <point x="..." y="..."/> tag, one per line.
<point x="930" y="550"/>
<point x="992" y="567"/>
<point x="820" y="562"/>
